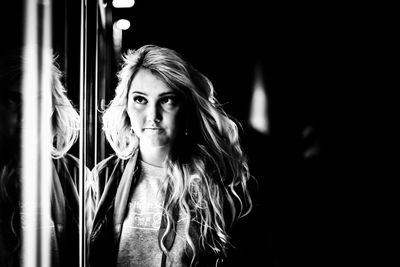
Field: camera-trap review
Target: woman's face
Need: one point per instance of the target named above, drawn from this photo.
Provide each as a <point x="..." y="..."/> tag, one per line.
<point x="154" y="110"/>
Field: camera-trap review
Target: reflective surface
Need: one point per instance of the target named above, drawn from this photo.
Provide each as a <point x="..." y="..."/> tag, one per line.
<point x="39" y="131"/>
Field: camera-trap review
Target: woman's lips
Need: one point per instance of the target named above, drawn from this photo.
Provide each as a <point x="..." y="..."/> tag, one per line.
<point x="156" y="130"/>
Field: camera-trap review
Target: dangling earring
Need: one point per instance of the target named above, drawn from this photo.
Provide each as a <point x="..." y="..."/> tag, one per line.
<point x="186" y="131"/>
<point x="131" y="131"/>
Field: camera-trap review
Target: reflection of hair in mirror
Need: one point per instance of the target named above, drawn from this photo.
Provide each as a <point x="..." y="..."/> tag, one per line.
<point x="206" y="172"/>
<point x="65" y="129"/>
<point x="65" y="119"/>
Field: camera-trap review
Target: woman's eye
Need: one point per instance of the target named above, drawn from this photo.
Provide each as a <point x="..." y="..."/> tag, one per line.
<point x="140" y="100"/>
<point x="169" y="101"/>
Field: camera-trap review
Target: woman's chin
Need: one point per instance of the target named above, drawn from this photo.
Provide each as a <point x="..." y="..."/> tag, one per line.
<point x="152" y="143"/>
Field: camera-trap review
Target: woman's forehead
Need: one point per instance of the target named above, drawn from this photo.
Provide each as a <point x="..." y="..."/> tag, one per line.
<point x="146" y="82"/>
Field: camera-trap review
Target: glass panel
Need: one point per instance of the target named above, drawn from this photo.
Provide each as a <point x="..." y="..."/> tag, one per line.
<point x="66" y="202"/>
<point x="39" y="87"/>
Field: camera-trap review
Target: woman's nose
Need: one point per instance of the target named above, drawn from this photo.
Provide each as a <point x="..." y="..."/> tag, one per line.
<point x="154" y="113"/>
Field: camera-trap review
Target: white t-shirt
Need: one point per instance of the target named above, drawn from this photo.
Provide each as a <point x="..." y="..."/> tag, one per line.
<point x="139" y="236"/>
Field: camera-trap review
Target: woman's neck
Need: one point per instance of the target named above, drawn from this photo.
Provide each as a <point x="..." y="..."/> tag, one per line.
<point x="154" y="155"/>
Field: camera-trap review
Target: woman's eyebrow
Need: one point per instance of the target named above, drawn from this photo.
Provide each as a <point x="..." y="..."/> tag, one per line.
<point x="167" y="94"/>
<point x="138" y="92"/>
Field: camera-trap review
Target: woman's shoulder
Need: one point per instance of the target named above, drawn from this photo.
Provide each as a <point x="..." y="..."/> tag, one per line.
<point x="107" y="170"/>
<point x="109" y="165"/>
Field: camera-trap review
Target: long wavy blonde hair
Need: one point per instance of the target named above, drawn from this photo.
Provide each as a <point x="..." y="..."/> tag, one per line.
<point x="65" y="119"/>
<point x="207" y="171"/>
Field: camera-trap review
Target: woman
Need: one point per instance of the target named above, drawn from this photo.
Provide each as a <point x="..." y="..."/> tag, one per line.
<point x="178" y="180"/>
<point x="64" y="198"/>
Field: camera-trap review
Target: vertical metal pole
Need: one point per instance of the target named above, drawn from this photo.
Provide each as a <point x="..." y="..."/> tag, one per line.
<point x="45" y="107"/>
<point x="82" y="139"/>
<point x="96" y="85"/>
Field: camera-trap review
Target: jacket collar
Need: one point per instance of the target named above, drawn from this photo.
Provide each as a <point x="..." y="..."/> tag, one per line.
<point x="123" y="190"/>
<point x="121" y="204"/>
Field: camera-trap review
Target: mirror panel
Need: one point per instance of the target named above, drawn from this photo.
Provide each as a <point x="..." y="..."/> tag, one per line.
<point x="40" y="128"/>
